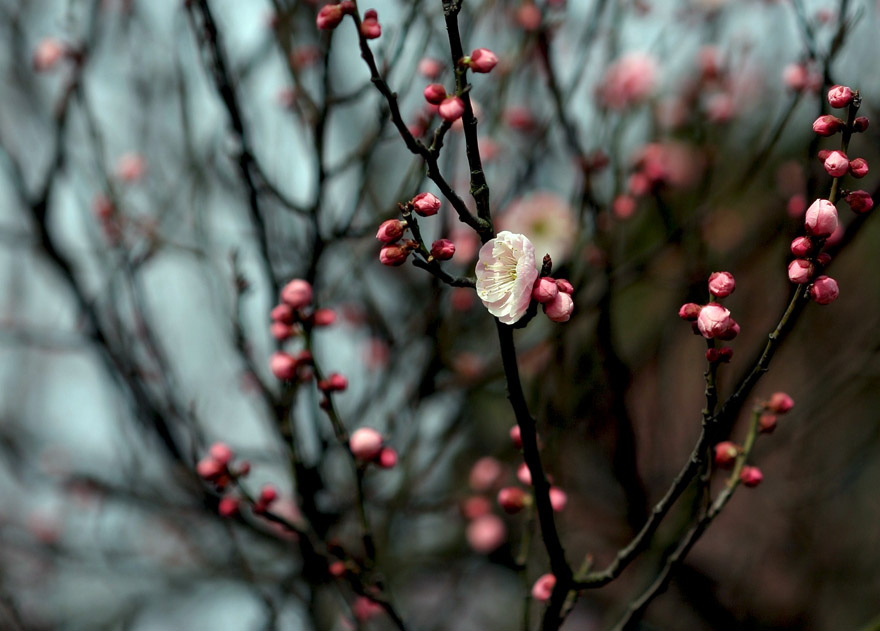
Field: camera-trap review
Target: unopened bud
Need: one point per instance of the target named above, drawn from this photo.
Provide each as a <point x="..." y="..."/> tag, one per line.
<point x="824" y="290"/>
<point x="726" y="454"/>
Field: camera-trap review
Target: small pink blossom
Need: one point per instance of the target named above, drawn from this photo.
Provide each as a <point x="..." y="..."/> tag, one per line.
<point x="543" y="587"/>
<point x="333" y="383"/>
<point x="228" y="506"/>
<point x="393" y="255"/>
<point x="714" y="320"/>
<point x="425" y="204"/>
<point x="442" y="249"/>
<point x="283" y="366"/>
<point x="859" y="201"/>
<point x="780" y="403"/>
<point x="297" y="293"/>
<point x="827" y="125"/>
<point x="329" y="17"/>
<point x="545" y="290"/>
<point x="365" y="444"/>
<point x="482" y="60"/>
<point x="800" y="271"/>
<point x="721" y="284"/>
<point x="751" y="476"/>
<point x="523" y="474"/>
<point x="221" y="453"/>
<point x="387" y="458"/>
<point x="836" y="164"/>
<point x="558" y="498"/>
<point x="628" y="81"/>
<point x="390" y="231"/>
<point x="821" y="218"/>
<point x="486" y="533"/>
<point x="451" y="108"/>
<point x="559" y="309"/>
<point x="430" y="68"/>
<point x="824" y="290"/>
<point x="131" y="167"/>
<point x="726" y="454"/>
<point x="324" y="317"/>
<point x="435" y="93"/>
<point x="485" y="474"/>
<point x="840" y="96"/>
<point x="511" y="499"/>
<point x="858" y="167"/>
<point x="506" y="272"/>
<point x="47" y="54"/>
<point x="370" y="27"/>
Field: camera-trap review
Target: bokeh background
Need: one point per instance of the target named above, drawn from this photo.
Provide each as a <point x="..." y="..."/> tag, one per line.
<point x="165" y="167"/>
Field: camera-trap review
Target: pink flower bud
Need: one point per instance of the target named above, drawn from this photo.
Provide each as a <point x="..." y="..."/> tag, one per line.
<point x="860" y="124"/>
<point x="558" y="499"/>
<point x="390" y="231"/>
<point x="725" y="352"/>
<point x="425" y="204"/>
<point x="475" y="506"/>
<point x="323" y="317"/>
<point x="363" y="608"/>
<point x="780" y="403"/>
<point x="297" y="293"/>
<point x="333" y="383"/>
<point x="823" y="154"/>
<point x="726" y="454"/>
<point x="435" y="93"/>
<point x="280" y="331"/>
<point x="543" y="587"/>
<point x="858" y="167"/>
<point x="370" y="27"/>
<point x="824" y="258"/>
<point x="387" y="458"/>
<point x="268" y="494"/>
<point x="713" y="319"/>
<point x="485" y="474"/>
<point x="221" y="453"/>
<point x="485" y="534"/>
<point x="827" y="125"/>
<point x="528" y="16"/>
<point x="430" y="68"/>
<point x="751" y="476"/>
<point x="442" y="249"/>
<point x="545" y="290"/>
<point x="524" y="475"/>
<point x="767" y="423"/>
<point x="800" y="271"/>
<point x="821" y="218"/>
<point x="209" y="469"/>
<point x="283" y="313"/>
<point x="393" y="255"/>
<point x="131" y="167"/>
<point x="689" y="311"/>
<point x="712" y="355"/>
<point x="795" y="77"/>
<point x="859" y="201"/>
<point x="482" y="60"/>
<point x="840" y="96"/>
<point x="836" y="164"/>
<point x="511" y="499"/>
<point x="516" y="437"/>
<point x="796" y="206"/>
<point x="244" y="467"/>
<point x="624" y="206"/>
<point x="337" y="569"/>
<point x="730" y="332"/>
<point x="365" y="444"/>
<point x="560" y="307"/>
<point x="801" y="246"/>
<point x="721" y="284"/>
<point x="564" y="286"/>
<point x="824" y="290"/>
<point x="47" y="54"/>
<point x="451" y="108"/>
<point x="228" y="506"/>
<point x="283" y="366"/>
<point x="329" y="17"/>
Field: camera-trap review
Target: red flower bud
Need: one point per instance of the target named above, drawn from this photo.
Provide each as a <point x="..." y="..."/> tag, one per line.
<point x="824" y="290"/>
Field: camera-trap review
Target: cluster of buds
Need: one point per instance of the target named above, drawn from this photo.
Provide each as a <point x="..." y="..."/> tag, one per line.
<point x="216" y="468"/>
<point x="727" y="453"/>
<point x="449" y="106"/>
<point x="513" y="499"/>
<point x="368" y="446"/>
<point x="820" y="223"/>
<point x="294" y="313"/>
<point x="713" y="321"/>
<point x="334" y="382"/>
<point x="554" y="294"/>
<point x="395" y="252"/>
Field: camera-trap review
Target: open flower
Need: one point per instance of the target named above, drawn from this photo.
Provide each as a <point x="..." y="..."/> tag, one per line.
<point x="506" y="273"/>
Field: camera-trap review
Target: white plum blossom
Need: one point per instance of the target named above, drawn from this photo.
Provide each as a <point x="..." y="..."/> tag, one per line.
<point x="506" y="272"/>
